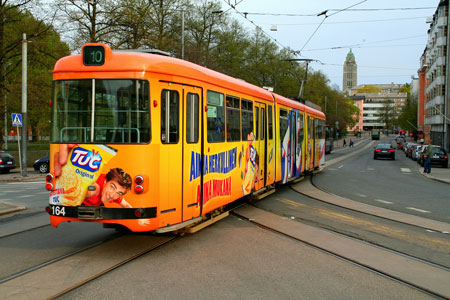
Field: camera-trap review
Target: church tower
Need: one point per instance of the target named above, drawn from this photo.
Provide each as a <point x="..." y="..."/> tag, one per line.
<point x="350" y="73"/>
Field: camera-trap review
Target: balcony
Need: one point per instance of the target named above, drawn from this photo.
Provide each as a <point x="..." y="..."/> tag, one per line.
<point x="434" y="120"/>
<point x="439" y="80"/>
<point x="435" y="101"/>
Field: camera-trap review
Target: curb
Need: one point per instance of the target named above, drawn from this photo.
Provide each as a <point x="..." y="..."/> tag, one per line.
<point x="433" y="178"/>
<point x="20" y="178"/>
<point x="14" y="208"/>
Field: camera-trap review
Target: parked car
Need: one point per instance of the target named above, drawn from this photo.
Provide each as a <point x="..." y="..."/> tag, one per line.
<point x="439" y="156"/>
<point x="409" y="148"/>
<point x="384" y="150"/>
<point x="42" y="165"/>
<point x="7" y="162"/>
<point x="416" y="151"/>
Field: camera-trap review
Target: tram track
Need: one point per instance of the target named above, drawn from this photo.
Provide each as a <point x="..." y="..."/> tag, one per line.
<point x="420" y="274"/>
<point x="58" y="276"/>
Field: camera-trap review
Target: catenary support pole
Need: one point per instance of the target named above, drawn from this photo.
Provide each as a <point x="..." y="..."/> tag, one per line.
<point x="24" y="106"/>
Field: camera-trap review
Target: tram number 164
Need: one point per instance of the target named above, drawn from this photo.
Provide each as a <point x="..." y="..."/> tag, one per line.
<point x="58" y="210"/>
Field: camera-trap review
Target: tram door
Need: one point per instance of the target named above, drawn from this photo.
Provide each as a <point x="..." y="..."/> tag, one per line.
<point x="177" y="200"/>
<point x="260" y="144"/>
<point x="170" y="172"/>
<point x="192" y="99"/>
<point x="292" y="144"/>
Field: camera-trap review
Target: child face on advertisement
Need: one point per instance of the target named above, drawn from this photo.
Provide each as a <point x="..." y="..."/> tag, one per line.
<point x="112" y="190"/>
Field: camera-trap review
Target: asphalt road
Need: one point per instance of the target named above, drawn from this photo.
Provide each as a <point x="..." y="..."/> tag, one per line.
<point x="235" y="259"/>
<point x="392" y="184"/>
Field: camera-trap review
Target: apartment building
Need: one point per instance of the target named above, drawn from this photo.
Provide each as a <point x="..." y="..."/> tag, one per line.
<point x="433" y="76"/>
<point x="375" y="105"/>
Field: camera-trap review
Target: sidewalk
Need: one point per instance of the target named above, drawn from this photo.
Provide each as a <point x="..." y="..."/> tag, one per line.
<point x="16" y="176"/>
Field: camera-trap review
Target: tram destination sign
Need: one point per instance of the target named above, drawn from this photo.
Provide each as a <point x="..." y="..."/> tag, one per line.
<point x="93" y="55"/>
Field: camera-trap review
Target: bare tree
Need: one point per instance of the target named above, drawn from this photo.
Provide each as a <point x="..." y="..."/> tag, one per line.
<point x="89" y="21"/>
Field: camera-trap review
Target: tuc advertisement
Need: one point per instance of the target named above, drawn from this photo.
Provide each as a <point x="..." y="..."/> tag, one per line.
<point x="82" y="177"/>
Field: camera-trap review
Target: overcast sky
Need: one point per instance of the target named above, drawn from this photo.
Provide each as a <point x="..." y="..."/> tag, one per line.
<point x="387" y="42"/>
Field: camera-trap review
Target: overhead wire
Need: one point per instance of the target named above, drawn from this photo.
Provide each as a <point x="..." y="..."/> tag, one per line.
<point x="324" y="13"/>
<point x="349" y="22"/>
<point x="315" y="14"/>
<point x="349" y="8"/>
<point x="369" y="43"/>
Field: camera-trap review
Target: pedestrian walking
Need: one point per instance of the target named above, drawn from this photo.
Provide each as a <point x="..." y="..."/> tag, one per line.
<point x="345" y="143"/>
<point x="351" y="143"/>
<point x="427" y="163"/>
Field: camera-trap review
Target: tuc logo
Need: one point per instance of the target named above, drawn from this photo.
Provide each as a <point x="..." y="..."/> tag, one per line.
<point x="85" y="159"/>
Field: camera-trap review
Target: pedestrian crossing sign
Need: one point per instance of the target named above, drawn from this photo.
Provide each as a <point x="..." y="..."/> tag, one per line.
<point x="17" y="120"/>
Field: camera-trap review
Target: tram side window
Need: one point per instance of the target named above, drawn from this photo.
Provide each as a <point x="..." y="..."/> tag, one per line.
<point x="320" y="133"/>
<point x="310" y="128"/>
<point x="247" y="119"/>
<point x="170" y="117"/>
<point x="233" y="119"/>
<point x="270" y="122"/>
<point x="257" y="123"/>
<point x="300" y="132"/>
<point x="216" y="117"/>
<point x="263" y="124"/>
<point x="284" y="123"/>
<point x="192" y="118"/>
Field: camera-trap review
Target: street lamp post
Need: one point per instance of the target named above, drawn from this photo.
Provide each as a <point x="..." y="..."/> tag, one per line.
<point x="6" y="124"/>
<point x="6" y="108"/>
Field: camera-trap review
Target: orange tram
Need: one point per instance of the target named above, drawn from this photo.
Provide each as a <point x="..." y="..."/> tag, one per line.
<point x="155" y="143"/>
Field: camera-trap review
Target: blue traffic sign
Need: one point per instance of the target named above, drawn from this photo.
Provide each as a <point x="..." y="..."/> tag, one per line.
<point x="17" y="120"/>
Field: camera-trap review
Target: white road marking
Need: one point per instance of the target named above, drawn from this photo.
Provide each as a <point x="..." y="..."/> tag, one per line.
<point x="340" y="166"/>
<point x="361" y="195"/>
<point x="405" y="170"/>
<point x="418" y="209"/>
<point x="383" y="201"/>
<point x="370" y="169"/>
<point x="25" y="196"/>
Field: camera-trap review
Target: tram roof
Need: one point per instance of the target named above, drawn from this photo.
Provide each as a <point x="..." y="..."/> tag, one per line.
<point x="154" y="63"/>
<point x="298" y="105"/>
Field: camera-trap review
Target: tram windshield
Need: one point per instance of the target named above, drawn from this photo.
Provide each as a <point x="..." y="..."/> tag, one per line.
<point x="101" y="111"/>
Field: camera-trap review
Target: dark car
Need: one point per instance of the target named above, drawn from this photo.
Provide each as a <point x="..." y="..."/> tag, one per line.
<point x="42" y="165"/>
<point x="7" y="162"/>
<point x="439" y="156"/>
<point x="384" y="150"/>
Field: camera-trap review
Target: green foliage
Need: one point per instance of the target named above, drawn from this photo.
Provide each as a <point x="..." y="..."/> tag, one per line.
<point x="211" y="38"/>
<point x="44" y="48"/>
<point x="369" y="89"/>
<point x="408" y="118"/>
